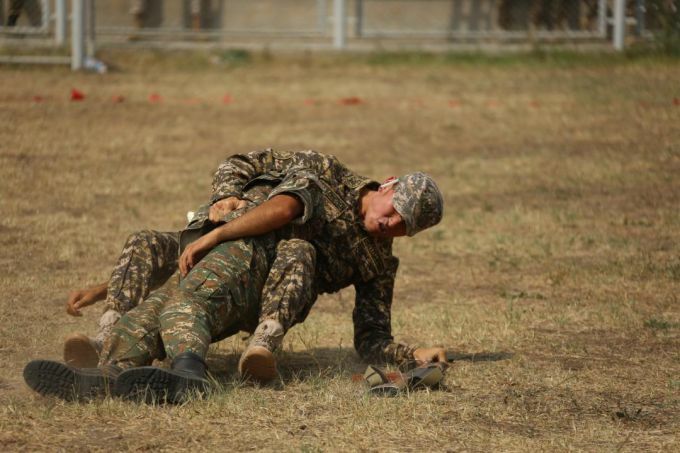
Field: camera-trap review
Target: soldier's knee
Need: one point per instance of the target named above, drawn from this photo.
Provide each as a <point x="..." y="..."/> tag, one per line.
<point x="140" y="237"/>
<point x="298" y="250"/>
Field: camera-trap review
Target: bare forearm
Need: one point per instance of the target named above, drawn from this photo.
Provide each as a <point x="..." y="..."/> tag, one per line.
<point x="269" y="216"/>
<point x="84" y="297"/>
<point x="100" y="290"/>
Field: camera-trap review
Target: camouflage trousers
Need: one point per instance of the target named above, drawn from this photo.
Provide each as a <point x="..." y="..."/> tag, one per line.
<point x="234" y="287"/>
<point x="148" y="259"/>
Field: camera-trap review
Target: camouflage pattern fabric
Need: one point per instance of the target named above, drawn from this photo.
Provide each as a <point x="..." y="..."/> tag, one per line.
<point x="219" y="297"/>
<point x="345" y="253"/>
<point x="135" y="338"/>
<point x="419" y="202"/>
<point x="288" y="293"/>
<point x="148" y="259"/>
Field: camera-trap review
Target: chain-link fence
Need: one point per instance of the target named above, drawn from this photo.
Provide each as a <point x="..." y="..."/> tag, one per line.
<point x="325" y="23"/>
<point x="365" y="19"/>
<point x="177" y="19"/>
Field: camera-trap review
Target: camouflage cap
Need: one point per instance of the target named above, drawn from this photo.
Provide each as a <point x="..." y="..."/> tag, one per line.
<point x="419" y="202"/>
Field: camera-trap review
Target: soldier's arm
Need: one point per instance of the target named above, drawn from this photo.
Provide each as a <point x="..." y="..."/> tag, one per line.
<point x="236" y="171"/>
<point x="84" y="297"/>
<point x="372" y="327"/>
<point x="373" y="338"/>
<point x="273" y="214"/>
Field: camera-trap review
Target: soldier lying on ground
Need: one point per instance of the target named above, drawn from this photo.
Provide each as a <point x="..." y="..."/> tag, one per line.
<point x="336" y="226"/>
<point x="146" y="262"/>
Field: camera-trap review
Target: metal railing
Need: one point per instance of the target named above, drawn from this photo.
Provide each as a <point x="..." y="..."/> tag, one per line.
<point x="340" y="24"/>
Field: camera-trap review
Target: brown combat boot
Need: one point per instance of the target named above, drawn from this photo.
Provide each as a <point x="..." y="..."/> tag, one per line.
<point x="257" y="361"/>
<point x="82" y="351"/>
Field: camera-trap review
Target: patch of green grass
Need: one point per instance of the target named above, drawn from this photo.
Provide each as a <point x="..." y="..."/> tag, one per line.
<point x="233" y="57"/>
<point x="660" y="324"/>
<point x="539" y="56"/>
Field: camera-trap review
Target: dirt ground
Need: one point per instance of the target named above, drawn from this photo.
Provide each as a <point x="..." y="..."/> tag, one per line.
<point x="558" y="255"/>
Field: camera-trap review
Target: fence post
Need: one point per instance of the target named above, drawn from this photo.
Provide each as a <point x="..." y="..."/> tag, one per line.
<point x="619" y="24"/>
<point x="77" y="34"/>
<point x="602" y="18"/>
<point x="339" y="24"/>
<point x="60" y="22"/>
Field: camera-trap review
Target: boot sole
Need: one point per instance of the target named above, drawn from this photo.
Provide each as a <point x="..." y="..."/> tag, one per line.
<point x="258" y="364"/>
<point x="80" y="353"/>
<point x="157" y="385"/>
<point x="51" y="378"/>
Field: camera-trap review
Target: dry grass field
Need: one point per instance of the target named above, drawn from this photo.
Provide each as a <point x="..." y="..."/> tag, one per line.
<point x="559" y="248"/>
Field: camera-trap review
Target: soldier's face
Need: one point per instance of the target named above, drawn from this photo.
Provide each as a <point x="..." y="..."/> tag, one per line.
<point x="381" y="219"/>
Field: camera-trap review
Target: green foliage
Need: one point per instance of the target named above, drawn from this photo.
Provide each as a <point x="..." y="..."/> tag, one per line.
<point x="664" y="16"/>
<point x="659" y="324"/>
<point x="234" y="57"/>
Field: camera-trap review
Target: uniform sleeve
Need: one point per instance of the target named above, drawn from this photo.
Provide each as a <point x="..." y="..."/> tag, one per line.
<point x="304" y="184"/>
<point x="236" y="171"/>
<point x="292" y="173"/>
<point x="372" y="320"/>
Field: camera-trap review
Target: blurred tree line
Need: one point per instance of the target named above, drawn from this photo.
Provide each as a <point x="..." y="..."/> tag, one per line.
<point x="664" y="19"/>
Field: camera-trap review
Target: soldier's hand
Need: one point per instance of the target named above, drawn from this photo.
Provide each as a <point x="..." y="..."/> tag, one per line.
<point x="84" y="297"/>
<point x="224" y="207"/>
<point x="195" y="252"/>
<point x="429" y="355"/>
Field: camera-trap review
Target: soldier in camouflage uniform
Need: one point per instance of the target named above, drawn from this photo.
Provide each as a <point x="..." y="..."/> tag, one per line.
<point x="344" y="225"/>
<point x="146" y="262"/>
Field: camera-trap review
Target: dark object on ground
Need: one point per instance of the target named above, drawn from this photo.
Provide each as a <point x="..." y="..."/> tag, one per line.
<point x="392" y="384"/>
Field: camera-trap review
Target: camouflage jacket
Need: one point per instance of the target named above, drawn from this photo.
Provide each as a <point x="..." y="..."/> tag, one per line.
<point x="346" y="254"/>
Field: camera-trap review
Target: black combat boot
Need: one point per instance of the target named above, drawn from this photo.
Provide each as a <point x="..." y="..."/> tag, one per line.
<point x="52" y="378"/>
<point x="187" y="376"/>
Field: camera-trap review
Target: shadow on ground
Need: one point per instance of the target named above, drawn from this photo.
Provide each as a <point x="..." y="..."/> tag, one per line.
<point x="327" y="363"/>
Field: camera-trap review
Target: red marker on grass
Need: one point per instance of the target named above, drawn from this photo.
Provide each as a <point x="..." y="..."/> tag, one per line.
<point x="77" y="95"/>
<point x="353" y="100"/>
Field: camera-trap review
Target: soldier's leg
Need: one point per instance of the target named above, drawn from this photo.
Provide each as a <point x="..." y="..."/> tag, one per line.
<point x="214" y="297"/>
<point x="147" y="260"/>
<point x="211" y="302"/>
<point x="137" y="10"/>
<point x="287" y="297"/>
<point x="33" y="10"/>
<point x="288" y="293"/>
<point x="135" y="340"/>
<point x="15" y="7"/>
